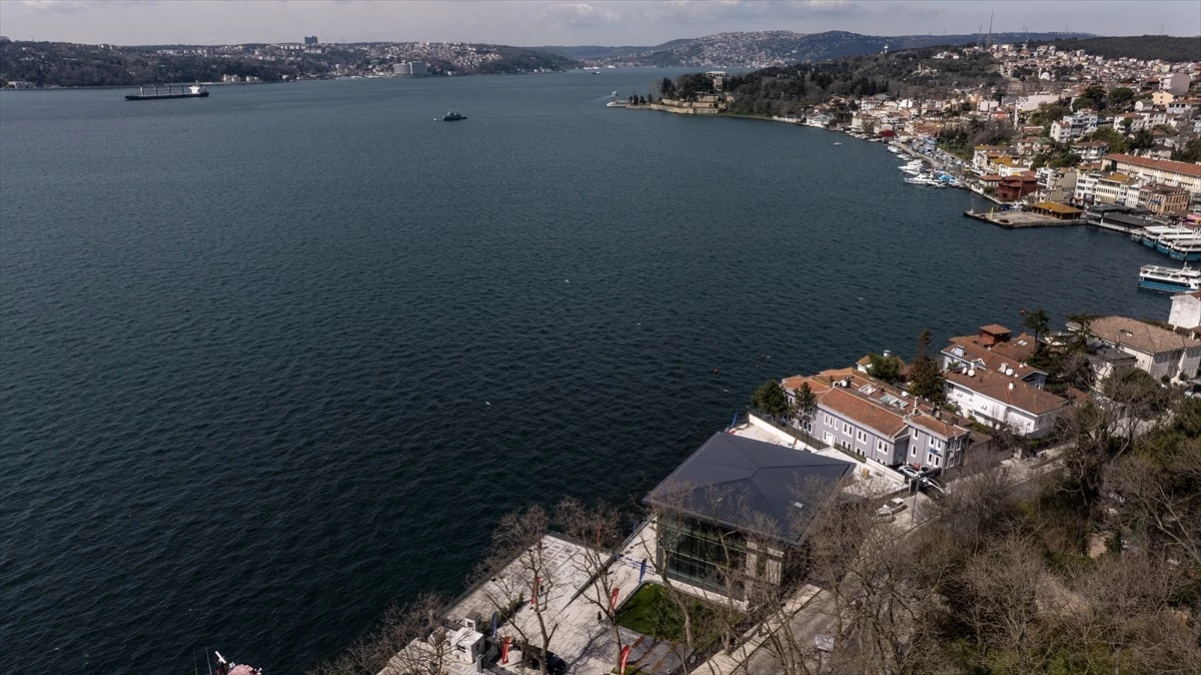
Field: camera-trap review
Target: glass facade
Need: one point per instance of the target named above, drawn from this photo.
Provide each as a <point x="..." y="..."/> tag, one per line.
<point x="700" y="554"/>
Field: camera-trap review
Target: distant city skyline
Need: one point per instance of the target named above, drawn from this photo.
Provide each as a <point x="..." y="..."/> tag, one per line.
<point x="547" y="22"/>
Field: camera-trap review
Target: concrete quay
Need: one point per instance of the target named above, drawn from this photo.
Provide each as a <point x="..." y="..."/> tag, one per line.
<point x="1017" y="220"/>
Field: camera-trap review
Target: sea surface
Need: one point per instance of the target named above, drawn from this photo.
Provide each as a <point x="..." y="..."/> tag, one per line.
<point x="274" y="359"/>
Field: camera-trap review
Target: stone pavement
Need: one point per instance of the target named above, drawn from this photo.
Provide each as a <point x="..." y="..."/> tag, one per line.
<point x="570" y="607"/>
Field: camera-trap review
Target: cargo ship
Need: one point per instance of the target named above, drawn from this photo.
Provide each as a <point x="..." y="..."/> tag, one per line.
<point x="173" y="91"/>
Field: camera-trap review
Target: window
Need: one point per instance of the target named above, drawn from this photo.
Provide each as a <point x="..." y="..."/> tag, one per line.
<point x="846" y="428"/>
<point x="936" y="460"/>
<point x="829" y="421"/>
<point x="881" y="446"/>
<point x="697" y="553"/>
<point x="860" y="436"/>
<point x="913" y="451"/>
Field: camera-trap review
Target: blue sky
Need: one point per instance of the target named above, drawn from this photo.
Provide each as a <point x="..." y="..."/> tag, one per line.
<point x="535" y="22"/>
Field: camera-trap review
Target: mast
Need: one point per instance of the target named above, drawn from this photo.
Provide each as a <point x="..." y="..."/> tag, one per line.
<point x="989" y="44"/>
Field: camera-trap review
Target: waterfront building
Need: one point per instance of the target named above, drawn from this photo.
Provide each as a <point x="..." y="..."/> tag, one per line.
<point x="1166" y="172"/>
<point x="310" y="39"/>
<point x="1001" y="397"/>
<point x="1158" y="351"/>
<point x="995" y="348"/>
<point x="1116" y="188"/>
<point x="1163" y="200"/>
<point x="737" y="511"/>
<point x="861" y="415"/>
<point x="1015" y="186"/>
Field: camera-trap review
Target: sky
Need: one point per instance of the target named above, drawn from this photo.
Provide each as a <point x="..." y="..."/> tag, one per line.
<point x="566" y="22"/>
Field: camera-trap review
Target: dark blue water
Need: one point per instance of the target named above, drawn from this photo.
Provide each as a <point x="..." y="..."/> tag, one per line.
<point x="246" y="342"/>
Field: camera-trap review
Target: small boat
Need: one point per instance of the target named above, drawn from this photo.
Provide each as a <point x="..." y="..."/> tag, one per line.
<point x="1169" y="279"/>
<point x="837" y="142"/>
<point x="453" y="116"/>
<point x="226" y="668"/>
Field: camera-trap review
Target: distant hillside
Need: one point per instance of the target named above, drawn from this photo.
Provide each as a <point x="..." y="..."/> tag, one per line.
<point x="1147" y="47"/>
<point x="589" y="52"/>
<point x="62" y="64"/>
<point x="778" y="48"/>
<point x="793" y="89"/>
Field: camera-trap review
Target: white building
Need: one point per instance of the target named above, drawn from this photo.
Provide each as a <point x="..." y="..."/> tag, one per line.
<point x="999" y="397"/>
<point x="1176" y="83"/>
<point x="1073" y="126"/>
<point x="1157" y="351"/>
<point x="1186" y="312"/>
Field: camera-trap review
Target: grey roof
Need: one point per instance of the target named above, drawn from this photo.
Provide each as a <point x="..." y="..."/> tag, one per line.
<point x="752" y="486"/>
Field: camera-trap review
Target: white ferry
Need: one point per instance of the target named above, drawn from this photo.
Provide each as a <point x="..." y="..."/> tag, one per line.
<point x="1188" y="250"/>
<point x="1170" y="279"/>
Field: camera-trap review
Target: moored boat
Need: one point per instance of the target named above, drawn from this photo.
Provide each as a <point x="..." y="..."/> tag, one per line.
<point x="1188" y="250"/>
<point x="1170" y="279"/>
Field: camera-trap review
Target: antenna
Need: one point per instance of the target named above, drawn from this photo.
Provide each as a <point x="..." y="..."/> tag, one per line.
<point x="989" y="44"/>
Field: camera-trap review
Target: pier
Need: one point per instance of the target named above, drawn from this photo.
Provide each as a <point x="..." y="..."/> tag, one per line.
<point x="1017" y="220"/>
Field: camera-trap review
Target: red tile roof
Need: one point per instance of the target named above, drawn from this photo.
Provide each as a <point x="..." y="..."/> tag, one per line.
<point x="997" y="387"/>
<point x="992" y="359"/>
<point x="1185" y="168"/>
<point x="863" y="412"/>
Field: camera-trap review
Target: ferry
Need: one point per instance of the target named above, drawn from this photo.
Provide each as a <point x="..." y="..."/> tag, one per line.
<point x="1188" y="250"/>
<point x="453" y="116"/>
<point x="1151" y="236"/>
<point x="1170" y="279"/>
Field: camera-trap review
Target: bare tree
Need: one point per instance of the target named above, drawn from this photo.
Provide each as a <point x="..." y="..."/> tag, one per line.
<point x="518" y="572"/>
<point x="1003" y="611"/>
<point x="599" y="530"/>
<point x="1158" y="499"/>
<point x="407" y="641"/>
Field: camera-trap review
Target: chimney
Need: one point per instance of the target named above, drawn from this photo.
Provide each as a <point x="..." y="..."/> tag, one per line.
<point x="1010" y="386"/>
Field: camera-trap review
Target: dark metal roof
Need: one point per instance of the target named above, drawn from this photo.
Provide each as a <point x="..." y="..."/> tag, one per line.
<point x="755" y="487"/>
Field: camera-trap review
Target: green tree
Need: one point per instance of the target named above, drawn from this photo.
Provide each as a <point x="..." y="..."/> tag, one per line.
<point x="1119" y="97"/>
<point x="925" y="376"/>
<point x="1142" y="139"/>
<point x="886" y="368"/>
<point x="804" y="402"/>
<point x="1191" y="152"/>
<point x="1038" y="321"/>
<point x="667" y="88"/>
<point x="771" y="399"/>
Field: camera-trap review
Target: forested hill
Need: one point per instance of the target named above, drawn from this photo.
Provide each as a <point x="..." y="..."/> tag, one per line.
<point x="1145" y="47"/>
<point x="63" y="64"/>
<point x="790" y="90"/>
<point x="781" y="47"/>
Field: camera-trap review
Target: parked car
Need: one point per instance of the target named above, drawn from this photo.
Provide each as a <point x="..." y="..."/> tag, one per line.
<point x="895" y="504"/>
<point x="532" y="658"/>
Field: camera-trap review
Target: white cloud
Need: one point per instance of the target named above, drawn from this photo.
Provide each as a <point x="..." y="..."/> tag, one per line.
<point x="64" y="6"/>
<point x="580" y="14"/>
